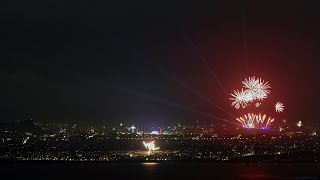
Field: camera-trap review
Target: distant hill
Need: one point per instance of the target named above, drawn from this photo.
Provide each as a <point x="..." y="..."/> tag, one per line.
<point x="21" y="127"/>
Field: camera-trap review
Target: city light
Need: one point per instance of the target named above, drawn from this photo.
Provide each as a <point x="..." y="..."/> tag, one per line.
<point x="299" y="124"/>
<point x="184" y="142"/>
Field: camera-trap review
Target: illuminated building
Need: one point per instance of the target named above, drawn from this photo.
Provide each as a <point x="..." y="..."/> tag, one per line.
<point x="132" y="128"/>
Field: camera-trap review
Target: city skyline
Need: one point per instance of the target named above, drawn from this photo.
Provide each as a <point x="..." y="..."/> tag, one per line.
<point x="30" y="141"/>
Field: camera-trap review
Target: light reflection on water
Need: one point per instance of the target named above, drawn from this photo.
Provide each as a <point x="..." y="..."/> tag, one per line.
<point x="154" y="171"/>
<point x="150" y="165"/>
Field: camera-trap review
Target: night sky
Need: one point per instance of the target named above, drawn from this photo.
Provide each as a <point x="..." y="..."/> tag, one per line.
<point x="108" y="62"/>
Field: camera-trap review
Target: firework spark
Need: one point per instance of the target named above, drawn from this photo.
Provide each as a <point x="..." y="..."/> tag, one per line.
<point x="239" y="99"/>
<point x="257" y="121"/>
<point x="255" y="89"/>
<point x="279" y="107"/>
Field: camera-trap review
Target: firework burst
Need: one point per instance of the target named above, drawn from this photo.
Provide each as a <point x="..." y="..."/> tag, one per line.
<point x="257" y="121"/>
<point x="239" y="99"/>
<point x="279" y="107"/>
<point x="255" y="89"/>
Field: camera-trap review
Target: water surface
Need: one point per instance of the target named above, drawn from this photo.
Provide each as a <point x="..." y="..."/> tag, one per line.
<point x="194" y="171"/>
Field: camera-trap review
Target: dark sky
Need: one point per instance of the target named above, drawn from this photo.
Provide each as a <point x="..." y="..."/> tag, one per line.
<point x="106" y="62"/>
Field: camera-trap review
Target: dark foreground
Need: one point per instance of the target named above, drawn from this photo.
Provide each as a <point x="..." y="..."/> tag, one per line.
<point x="196" y="171"/>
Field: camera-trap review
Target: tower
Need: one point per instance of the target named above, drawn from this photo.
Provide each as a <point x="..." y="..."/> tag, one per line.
<point x="132" y="129"/>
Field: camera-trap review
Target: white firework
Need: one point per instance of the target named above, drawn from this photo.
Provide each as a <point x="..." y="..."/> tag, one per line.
<point x="257" y="89"/>
<point x="252" y="120"/>
<point x="251" y="83"/>
<point x="254" y="89"/>
<point x="279" y="107"/>
<point x="239" y="99"/>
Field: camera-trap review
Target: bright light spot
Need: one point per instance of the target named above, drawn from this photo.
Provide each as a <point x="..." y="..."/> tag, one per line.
<point x="132" y="128"/>
<point x="281" y="129"/>
<point x="150" y="146"/>
<point x="155" y="133"/>
<point x="150" y="163"/>
<point x="299" y="124"/>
